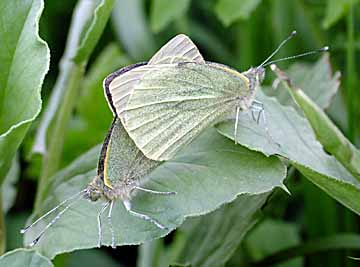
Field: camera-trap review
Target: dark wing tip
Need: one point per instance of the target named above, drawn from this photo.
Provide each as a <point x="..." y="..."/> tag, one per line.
<point x="112" y="76"/>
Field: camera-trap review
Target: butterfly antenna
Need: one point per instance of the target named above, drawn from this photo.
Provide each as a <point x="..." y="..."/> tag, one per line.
<point x="323" y="49"/>
<point x="24" y="230"/>
<point x="57" y="217"/>
<point x="292" y="34"/>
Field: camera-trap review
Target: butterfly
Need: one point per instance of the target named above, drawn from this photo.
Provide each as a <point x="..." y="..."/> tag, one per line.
<point x="165" y="103"/>
<point x="121" y="172"/>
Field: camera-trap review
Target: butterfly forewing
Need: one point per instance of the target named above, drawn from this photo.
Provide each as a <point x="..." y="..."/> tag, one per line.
<point x="178" y="49"/>
<point x="171" y="106"/>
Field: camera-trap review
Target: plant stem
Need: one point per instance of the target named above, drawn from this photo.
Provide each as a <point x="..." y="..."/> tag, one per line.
<point x="350" y="82"/>
<point x="2" y="228"/>
<point x="73" y="75"/>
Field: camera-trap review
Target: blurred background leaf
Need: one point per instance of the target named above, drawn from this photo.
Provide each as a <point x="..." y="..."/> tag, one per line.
<point x="163" y="12"/>
<point x="132" y="30"/>
<point x="208" y="240"/>
<point x="271" y="236"/>
<point x="8" y="188"/>
<point x="229" y="11"/>
<point x="335" y="10"/>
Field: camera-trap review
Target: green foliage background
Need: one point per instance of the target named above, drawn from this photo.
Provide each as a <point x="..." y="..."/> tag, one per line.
<point x="249" y="220"/>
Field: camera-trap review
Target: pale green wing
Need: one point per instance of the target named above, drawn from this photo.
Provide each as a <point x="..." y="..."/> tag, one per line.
<point x="123" y="161"/>
<point x="122" y="86"/>
<point x="178" y="49"/>
<point x="170" y="106"/>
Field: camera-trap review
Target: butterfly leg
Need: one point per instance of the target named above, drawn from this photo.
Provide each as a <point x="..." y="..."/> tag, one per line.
<point x="111" y="225"/>
<point x="259" y="107"/>
<point x="253" y="115"/>
<point x="100" y="222"/>
<point x="127" y="206"/>
<point x="236" y="123"/>
<point x="154" y="191"/>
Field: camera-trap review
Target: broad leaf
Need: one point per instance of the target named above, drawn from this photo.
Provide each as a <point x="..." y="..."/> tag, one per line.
<point x="291" y="136"/>
<point x="24" y="258"/>
<point x="326" y="131"/>
<point x="210" y="172"/>
<point x="229" y="11"/>
<point x="24" y="61"/>
<point x="317" y="79"/>
<point x="163" y="12"/>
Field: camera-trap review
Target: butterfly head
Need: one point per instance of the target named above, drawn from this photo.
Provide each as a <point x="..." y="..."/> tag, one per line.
<point x="256" y="76"/>
<point x="94" y="190"/>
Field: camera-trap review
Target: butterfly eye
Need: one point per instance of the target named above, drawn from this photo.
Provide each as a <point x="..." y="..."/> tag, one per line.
<point x="93" y="194"/>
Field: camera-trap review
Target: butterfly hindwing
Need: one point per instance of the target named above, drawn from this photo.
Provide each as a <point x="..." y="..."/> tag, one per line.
<point x="122" y="161"/>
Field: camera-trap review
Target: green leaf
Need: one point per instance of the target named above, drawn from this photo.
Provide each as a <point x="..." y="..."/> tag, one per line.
<point x="24" y="61"/>
<point x="211" y="240"/>
<point x="228" y="11"/>
<point x="271" y="236"/>
<point x="210" y="172"/>
<point x="335" y="10"/>
<point x="326" y="131"/>
<point x="317" y="79"/>
<point x="131" y="27"/>
<point x="24" y="258"/>
<point x="100" y="11"/>
<point x="163" y="12"/>
<point x="298" y="144"/>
